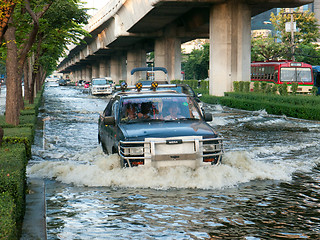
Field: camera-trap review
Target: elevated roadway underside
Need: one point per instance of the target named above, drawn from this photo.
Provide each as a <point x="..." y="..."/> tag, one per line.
<point x="191" y="20"/>
<point x="125" y="30"/>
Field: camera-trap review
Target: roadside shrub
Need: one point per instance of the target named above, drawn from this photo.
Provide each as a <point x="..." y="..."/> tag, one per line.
<point x="23" y="135"/>
<point x="256" y="87"/>
<point x="263" y="87"/>
<point x="294" y="88"/>
<point x="8" y="229"/>
<point x="236" y="87"/>
<point x="192" y="83"/>
<point x="204" y="87"/>
<point x="269" y="89"/>
<point x="14" y="154"/>
<point x="314" y="91"/>
<point x="246" y="87"/>
<point x="274" y="89"/>
<point x="283" y="89"/>
<point x="241" y="86"/>
<point x="13" y="163"/>
<point x="210" y="99"/>
<point x="299" y="106"/>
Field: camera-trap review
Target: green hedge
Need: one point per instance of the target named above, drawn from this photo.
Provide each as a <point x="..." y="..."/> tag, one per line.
<point x="304" y="107"/>
<point x="25" y="121"/>
<point x="8" y="229"/>
<point x="14" y="154"/>
<point x="305" y="100"/>
<point x="23" y="135"/>
<point x="13" y="163"/>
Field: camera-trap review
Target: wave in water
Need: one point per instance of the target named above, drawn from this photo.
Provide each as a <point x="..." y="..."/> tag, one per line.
<point x="238" y="167"/>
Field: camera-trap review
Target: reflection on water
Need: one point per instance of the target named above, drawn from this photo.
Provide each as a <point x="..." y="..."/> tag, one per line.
<point x="266" y="188"/>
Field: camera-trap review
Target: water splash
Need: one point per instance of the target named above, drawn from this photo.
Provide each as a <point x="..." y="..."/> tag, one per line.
<point x="97" y="169"/>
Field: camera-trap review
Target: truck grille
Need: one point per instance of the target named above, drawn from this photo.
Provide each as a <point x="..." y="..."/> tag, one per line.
<point x="159" y="151"/>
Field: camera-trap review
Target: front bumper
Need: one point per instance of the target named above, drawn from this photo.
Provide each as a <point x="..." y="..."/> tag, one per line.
<point x="102" y="90"/>
<point x="190" y="151"/>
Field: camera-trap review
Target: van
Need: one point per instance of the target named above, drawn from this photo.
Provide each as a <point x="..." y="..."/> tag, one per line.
<point x="101" y="86"/>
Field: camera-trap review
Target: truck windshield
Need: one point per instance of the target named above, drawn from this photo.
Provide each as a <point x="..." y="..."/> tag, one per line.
<point x="99" y="82"/>
<point x="295" y="74"/>
<point x="158" y="108"/>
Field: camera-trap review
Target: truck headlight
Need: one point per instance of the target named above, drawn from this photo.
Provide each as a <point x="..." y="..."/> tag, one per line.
<point x="210" y="147"/>
<point x="133" y="151"/>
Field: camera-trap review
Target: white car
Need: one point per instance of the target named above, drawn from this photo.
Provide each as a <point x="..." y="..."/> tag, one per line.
<point x="101" y="86"/>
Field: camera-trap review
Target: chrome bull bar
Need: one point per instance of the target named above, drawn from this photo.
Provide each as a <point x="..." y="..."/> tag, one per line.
<point x="180" y="150"/>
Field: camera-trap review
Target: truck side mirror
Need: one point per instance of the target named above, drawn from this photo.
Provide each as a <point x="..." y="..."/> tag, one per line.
<point x="208" y="117"/>
<point x="109" y="121"/>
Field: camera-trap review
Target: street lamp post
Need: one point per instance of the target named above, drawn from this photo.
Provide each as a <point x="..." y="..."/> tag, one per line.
<point x="292" y="34"/>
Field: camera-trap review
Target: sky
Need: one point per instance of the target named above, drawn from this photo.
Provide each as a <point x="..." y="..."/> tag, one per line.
<point x="97" y="4"/>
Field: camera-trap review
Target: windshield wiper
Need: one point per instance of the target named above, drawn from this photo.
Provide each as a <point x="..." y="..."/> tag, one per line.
<point x="179" y="119"/>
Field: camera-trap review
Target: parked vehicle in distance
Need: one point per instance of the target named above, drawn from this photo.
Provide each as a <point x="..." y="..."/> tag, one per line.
<point x="158" y="129"/>
<point x="80" y="83"/>
<point x="52" y="79"/>
<point x="101" y="86"/>
<point x="62" y="82"/>
<point x="286" y="71"/>
<point x="86" y="85"/>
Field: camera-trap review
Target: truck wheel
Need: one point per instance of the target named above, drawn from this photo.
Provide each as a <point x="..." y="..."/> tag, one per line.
<point x="123" y="163"/>
<point x="104" y="149"/>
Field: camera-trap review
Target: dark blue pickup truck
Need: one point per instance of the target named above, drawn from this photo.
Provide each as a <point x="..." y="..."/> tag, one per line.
<point x="158" y="129"/>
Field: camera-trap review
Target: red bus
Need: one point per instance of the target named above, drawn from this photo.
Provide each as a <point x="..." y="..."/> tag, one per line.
<point x="279" y="72"/>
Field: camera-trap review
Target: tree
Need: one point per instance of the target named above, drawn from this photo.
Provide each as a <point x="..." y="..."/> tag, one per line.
<point x="52" y="32"/>
<point x="266" y="48"/>
<point x="308" y="29"/>
<point x="279" y="46"/>
<point x="17" y="54"/>
<point x="6" y="10"/>
<point x="197" y="64"/>
<point x="60" y="26"/>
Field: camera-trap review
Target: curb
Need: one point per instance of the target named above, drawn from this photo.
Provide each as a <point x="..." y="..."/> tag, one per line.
<point x="34" y="223"/>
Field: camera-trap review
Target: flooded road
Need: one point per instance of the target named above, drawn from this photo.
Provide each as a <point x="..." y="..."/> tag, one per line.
<point x="266" y="188"/>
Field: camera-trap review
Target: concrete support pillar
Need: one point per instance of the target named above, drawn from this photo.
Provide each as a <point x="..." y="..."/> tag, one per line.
<point x="167" y="53"/>
<point x="79" y="74"/>
<point x="135" y="58"/>
<point x="83" y="73"/>
<point x="88" y="73"/>
<point x="108" y="71"/>
<point x="230" y="57"/>
<point x="316" y="10"/>
<point x="115" y="68"/>
<point x="95" y="70"/>
<point x="75" y="75"/>
<point x="102" y="68"/>
<point x="123" y="67"/>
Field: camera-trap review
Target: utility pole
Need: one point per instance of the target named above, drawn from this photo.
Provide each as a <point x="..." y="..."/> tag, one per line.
<point x="291" y="27"/>
<point x="292" y="34"/>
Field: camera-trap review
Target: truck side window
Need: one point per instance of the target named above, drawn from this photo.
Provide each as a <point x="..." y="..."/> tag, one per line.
<point x="115" y="108"/>
<point x="107" y="111"/>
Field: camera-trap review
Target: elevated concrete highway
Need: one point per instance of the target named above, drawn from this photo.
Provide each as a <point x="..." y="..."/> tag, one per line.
<point x="123" y="31"/>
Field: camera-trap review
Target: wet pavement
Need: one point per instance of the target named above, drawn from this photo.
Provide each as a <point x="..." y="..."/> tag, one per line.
<point x="266" y="187"/>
